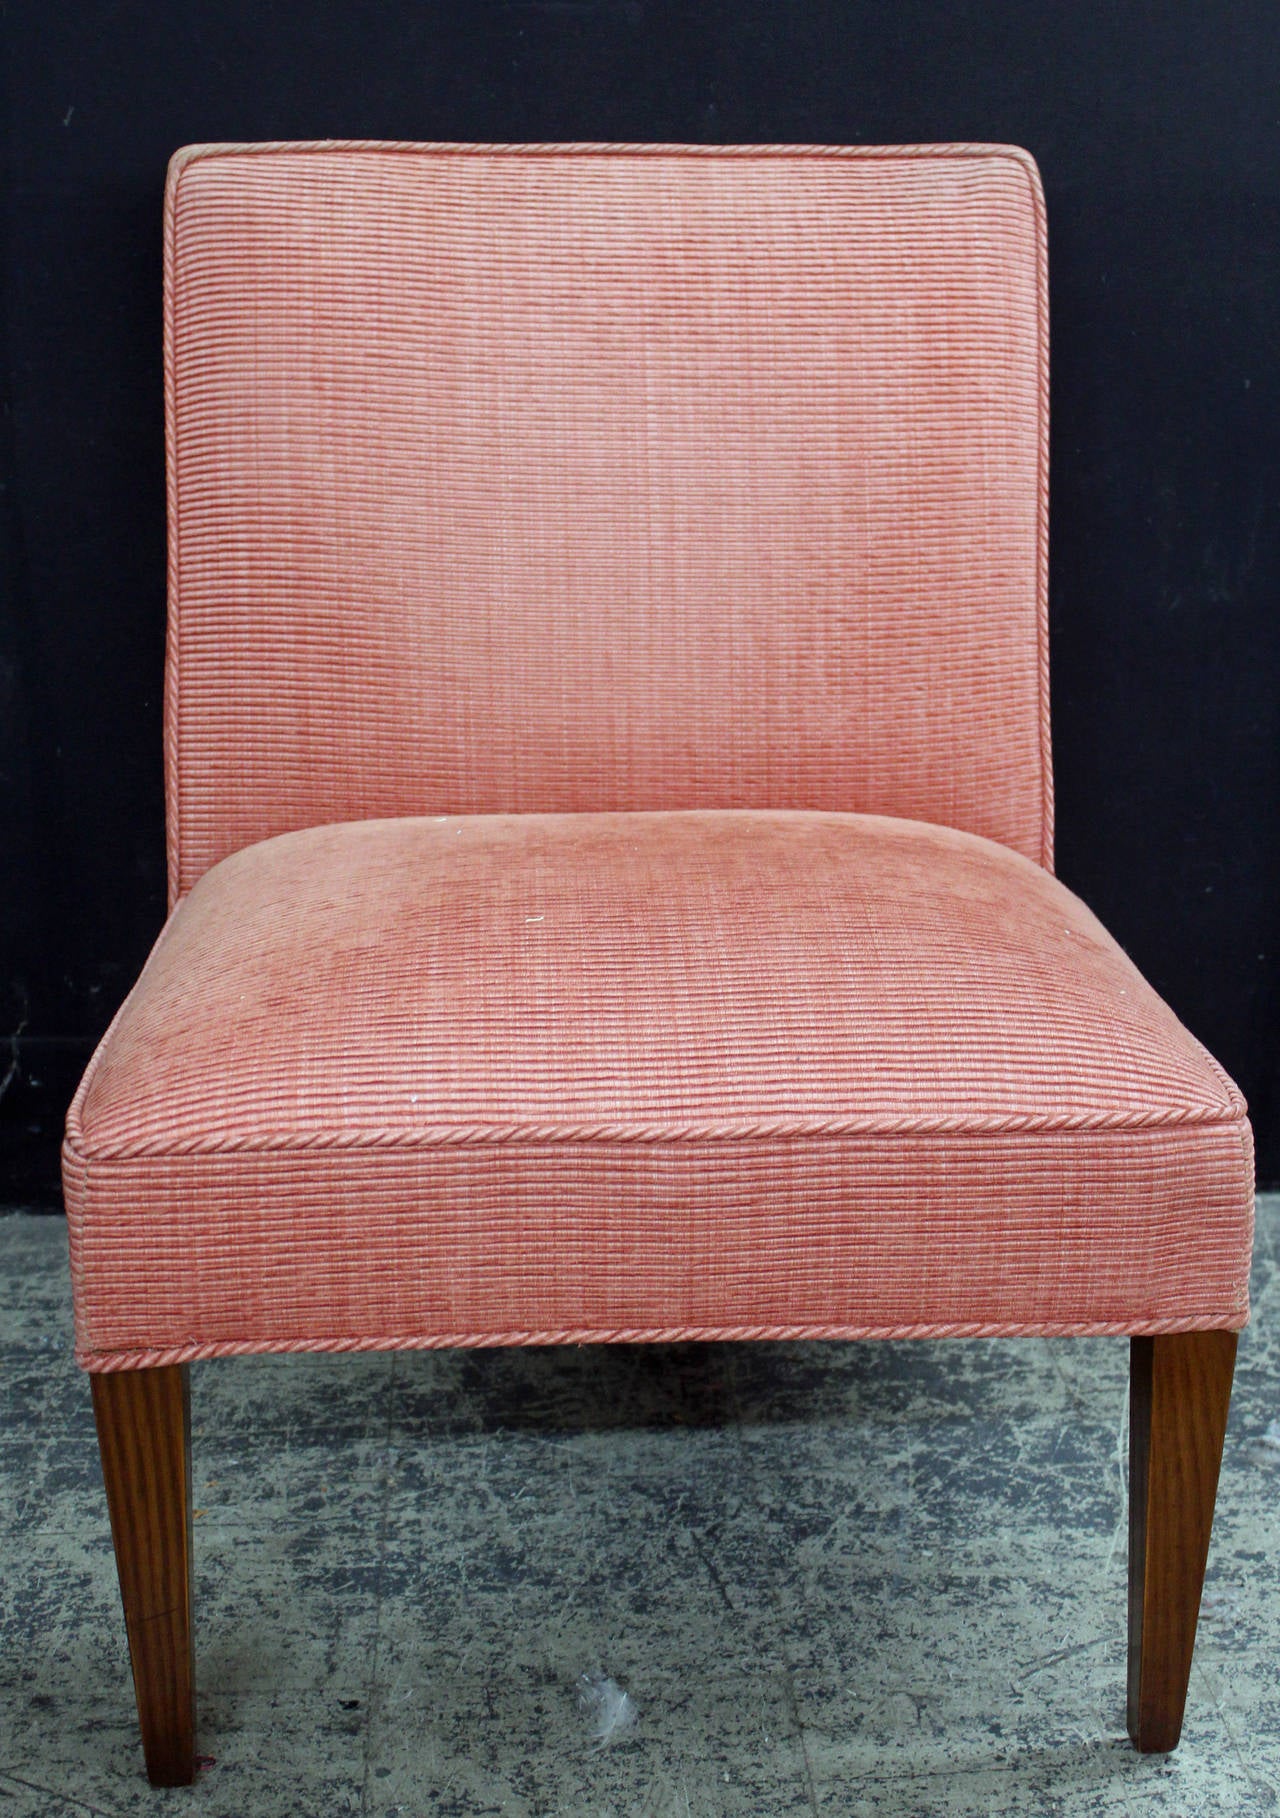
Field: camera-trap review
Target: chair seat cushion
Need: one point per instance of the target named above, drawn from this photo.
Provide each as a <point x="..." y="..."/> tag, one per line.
<point x="501" y="1079"/>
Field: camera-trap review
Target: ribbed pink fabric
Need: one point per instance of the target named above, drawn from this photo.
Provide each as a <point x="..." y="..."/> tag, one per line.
<point x="501" y="1078"/>
<point x="578" y="478"/>
<point x="608" y="779"/>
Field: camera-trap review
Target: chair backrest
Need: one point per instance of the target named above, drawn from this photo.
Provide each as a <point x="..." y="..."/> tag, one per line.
<point x="577" y="477"/>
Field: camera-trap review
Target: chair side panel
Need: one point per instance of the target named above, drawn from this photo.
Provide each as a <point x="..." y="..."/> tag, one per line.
<point x="546" y="478"/>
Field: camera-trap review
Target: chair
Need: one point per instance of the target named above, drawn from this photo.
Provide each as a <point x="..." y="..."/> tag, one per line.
<point x="610" y="820"/>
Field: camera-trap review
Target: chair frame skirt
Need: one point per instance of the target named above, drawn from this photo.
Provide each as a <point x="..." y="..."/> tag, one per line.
<point x="1180" y="1387"/>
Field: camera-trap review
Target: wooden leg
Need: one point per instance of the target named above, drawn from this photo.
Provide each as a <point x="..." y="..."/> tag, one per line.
<point x="144" y="1436"/>
<point x="1180" y="1385"/>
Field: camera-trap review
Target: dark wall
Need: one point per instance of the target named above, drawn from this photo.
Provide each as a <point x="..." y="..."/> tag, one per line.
<point x="1156" y="128"/>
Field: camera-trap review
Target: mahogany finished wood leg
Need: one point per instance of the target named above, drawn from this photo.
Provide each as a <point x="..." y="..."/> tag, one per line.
<point x="144" y="1436"/>
<point x="1180" y="1385"/>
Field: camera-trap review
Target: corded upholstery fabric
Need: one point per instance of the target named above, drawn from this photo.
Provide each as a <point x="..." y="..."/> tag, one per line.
<point x="553" y="478"/>
<point x="608" y="783"/>
<point x="517" y="1078"/>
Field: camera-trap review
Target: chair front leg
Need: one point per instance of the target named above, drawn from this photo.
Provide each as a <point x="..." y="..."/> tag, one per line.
<point x="144" y="1436"/>
<point x="1180" y="1385"/>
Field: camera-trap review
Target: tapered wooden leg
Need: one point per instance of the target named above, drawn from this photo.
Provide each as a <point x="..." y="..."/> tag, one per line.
<point x="1180" y="1385"/>
<point x="144" y="1436"/>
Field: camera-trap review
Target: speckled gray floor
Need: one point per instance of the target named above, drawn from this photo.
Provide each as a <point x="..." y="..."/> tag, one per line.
<point x="844" y="1580"/>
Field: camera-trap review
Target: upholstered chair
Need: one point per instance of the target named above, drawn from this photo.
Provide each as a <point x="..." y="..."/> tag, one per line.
<point x="610" y="820"/>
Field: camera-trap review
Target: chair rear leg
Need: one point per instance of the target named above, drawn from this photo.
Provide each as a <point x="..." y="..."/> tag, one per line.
<point x="144" y="1436"/>
<point x="1180" y="1385"/>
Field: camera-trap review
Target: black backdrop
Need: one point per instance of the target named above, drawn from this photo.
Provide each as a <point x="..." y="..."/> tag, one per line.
<point x="1157" y="128"/>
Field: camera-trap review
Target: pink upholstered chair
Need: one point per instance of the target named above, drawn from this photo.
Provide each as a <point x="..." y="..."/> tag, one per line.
<point x="609" y="819"/>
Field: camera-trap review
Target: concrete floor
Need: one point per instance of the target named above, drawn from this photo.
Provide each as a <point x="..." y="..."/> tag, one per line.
<point x="834" y="1579"/>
